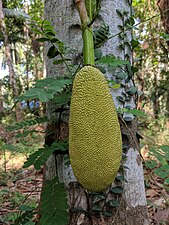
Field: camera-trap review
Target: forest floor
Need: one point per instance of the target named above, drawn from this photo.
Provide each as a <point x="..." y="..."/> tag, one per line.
<point x="20" y="189"/>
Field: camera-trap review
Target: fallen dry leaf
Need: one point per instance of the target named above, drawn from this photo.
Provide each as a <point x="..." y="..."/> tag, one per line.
<point x="162" y="216"/>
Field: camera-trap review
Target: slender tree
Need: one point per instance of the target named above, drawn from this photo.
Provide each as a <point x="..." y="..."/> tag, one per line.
<point x="8" y="55"/>
<point x="132" y="208"/>
<point x="164" y="9"/>
<point x="1" y="101"/>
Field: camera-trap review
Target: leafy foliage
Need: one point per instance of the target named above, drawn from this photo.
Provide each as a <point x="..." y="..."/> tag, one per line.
<point x="48" y="34"/>
<point x="63" y="98"/>
<point x="39" y="157"/>
<point x="111" y="60"/>
<point x="26" y="215"/>
<point x="117" y="190"/>
<point x="113" y="203"/>
<point x="101" y="35"/>
<point x="27" y="123"/>
<point x="54" y="209"/>
<point x="45" y="90"/>
<point x="161" y="153"/>
<point x="135" y="112"/>
<point x="92" y="7"/>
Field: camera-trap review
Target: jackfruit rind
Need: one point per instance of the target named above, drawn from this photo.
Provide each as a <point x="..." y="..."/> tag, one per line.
<point x="95" y="142"/>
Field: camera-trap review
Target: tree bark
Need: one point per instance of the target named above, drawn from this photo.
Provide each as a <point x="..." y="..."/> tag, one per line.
<point x="132" y="209"/>
<point x="9" y="61"/>
<point x="1" y="102"/>
<point x="164" y="9"/>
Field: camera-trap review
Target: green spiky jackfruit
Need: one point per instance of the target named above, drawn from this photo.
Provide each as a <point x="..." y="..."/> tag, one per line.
<point x="95" y="143"/>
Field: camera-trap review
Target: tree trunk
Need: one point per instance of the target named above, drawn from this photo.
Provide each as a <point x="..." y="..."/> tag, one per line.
<point x="132" y="209"/>
<point x="155" y="97"/>
<point x="1" y="102"/>
<point x="164" y="9"/>
<point x="9" y="61"/>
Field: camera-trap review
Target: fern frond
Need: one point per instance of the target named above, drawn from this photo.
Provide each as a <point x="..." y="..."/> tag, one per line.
<point x="27" y="123"/>
<point x="39" y="158"/>
<point x="101" y="35"/>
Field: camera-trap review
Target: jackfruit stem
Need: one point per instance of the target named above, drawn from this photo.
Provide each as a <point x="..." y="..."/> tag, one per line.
<point x="87" y="33"/>
<point x="88" y="46"/>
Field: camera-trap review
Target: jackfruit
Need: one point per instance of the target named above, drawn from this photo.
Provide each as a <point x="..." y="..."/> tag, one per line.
<point x="95" y="144"/>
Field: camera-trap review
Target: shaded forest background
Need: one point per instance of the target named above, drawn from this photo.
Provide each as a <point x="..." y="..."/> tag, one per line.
<point x="22" y="125"/>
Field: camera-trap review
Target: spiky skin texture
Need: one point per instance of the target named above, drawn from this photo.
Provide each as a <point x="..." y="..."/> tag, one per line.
<point x="95" y="143"/>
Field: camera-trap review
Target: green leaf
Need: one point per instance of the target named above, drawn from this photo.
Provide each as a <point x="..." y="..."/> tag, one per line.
<point x="121" y="99"/>
<point x="129" y="69"/>
<point x="60" y="61"/>
<point x="46" y="22"/>
<point x="165" y="167"/>
<point x="46" y="89"/>
<point x="120" y="13"/>
<point x="100" y="36"/>
<point x="151" y="164"/>
<point x="167" y="181"/>
<point x="102" y="69"/>
<point x="115" y="86"/>
<point x="25" y="133"/>
<point x="108" y="213"/>
<point x="52" y="52"/>
<point x="10" y="147"/>
<point x="91" y="8"/>
<point x="25" y="208"/>
<point x="37" y="31"/>
<point x="159" y="172"/>
<point x="120" y="178"/>
<point x="134" y="69"/>
<point x="54" y="40"/>
<point x="136" y="112"/>
<point x="165" y="36"/>
<point x="111" y="60"/>
<point x="43" y="39"/>
<point x="54" y="208"/>
<point x="63" y="98"/>
<point x="98" y="198"/>
<point x="97" y="208"/>
<point x="121" y="75"/>
<point x="66" y="160"/>
<point x="165" y="148"/>
<point x="132" y="90"/>
<point x="134" y="43"/>
<point x="51" y="33"/>
<point x="117" y="190"/>
<point x="27" y="123"/>
<point x="42" y="96"/>
<point x="39" y="157"/>
<point x="97" y="53"/>
<point x="113" y="203"/>
<point x="159" y="154"/>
